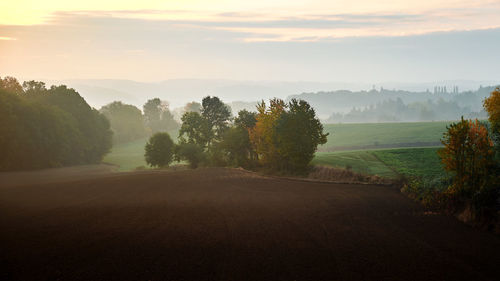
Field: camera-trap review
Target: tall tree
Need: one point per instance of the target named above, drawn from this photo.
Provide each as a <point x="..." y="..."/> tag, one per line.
<point x="195" y="130"/>
<point x="158" y="117"/>
<point x="217" y="115"/>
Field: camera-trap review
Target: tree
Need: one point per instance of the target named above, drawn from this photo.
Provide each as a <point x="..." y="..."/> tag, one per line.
<point x="492" y="106"/>
<point x="168" y="122"/>
<point x="33" y="88"/>
<point x="158" y="117"/>
<point x="159" y="150"/>
<point x="195" y="130"/>
<point x="246" y="119"/>
<point x="11" y="85"/>
<point x="468" y="155"/>
<point x="263" y="135"/>
<point x="34" y="135"/>
<point x="236" y="140"/>
<point x="217" y="115"/>
<point x="95" y="131"/>
<point x="286" y="136"/>
<point x="298" y="133"/>
<point x="126" y="121"/>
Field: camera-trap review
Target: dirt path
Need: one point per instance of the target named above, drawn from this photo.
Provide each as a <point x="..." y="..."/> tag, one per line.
<point x="223" y="224"/>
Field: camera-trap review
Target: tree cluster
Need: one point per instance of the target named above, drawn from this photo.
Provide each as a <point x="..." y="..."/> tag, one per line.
<point x="52" y="127"/>
<point x="281" y="138"/>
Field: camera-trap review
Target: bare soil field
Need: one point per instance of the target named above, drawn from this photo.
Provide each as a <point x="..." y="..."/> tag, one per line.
<point x="226" y="224"/>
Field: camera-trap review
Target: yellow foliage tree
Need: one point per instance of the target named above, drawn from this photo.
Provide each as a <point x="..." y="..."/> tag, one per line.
<point x="468" y="154"/>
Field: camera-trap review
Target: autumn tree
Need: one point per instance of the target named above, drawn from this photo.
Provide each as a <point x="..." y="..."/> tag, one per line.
<point x="468" y="155"/>
<point x="492" y="106"/>
<point x="263" y="135"/>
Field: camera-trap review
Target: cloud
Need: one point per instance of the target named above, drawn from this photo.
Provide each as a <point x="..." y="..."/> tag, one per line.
<point x="265" y="26"/>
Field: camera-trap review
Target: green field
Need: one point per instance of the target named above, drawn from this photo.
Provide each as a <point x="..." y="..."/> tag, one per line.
<point x="391" y="163"/>
<point x="382" y="135"/>
<point x="128" y="155"/>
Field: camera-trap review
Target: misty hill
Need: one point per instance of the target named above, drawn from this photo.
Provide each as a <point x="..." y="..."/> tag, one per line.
<point x="460" y="97"/>
<point x="396" y="105"/>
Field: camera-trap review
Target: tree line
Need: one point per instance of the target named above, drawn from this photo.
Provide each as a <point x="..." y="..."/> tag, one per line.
<point x="397" y="111"/>
<point x="279" y="137"/>
<point x="48" y="127"/>
<point x="338" y="104"/>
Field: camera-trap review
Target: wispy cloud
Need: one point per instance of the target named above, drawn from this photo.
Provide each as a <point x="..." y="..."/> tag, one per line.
<point x="283" y="26"/>
<point x="7" y="38"/>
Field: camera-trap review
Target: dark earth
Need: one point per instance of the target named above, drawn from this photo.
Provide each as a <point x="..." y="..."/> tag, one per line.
<point x="228" y="224"/>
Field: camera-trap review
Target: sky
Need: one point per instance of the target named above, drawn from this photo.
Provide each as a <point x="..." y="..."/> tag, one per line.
<point x="292" y="40"/>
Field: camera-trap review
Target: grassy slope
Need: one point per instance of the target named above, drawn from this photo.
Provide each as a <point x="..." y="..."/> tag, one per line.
<point x="421" y="162"/>
<point x="360" y="161"/>
<point x="382" y="135"/>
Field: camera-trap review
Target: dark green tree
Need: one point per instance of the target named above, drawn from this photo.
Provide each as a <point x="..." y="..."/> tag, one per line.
<point x="95" y="131"/>
<point x="159" y="150"/>
<point x="34" y="88"/>
<point x="236" y="141"/>
<point x="298" y="133"/>
<point x="217" y="115"/>
<point x="195" y="130"/>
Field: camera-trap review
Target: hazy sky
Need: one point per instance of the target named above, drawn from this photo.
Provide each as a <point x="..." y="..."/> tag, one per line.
<point x="339" y="40"/>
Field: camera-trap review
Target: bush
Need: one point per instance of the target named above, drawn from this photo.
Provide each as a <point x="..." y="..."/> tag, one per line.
<point x="159" y="150"/>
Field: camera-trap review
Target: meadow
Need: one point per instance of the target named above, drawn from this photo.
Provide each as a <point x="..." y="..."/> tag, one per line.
<point x="128" y="156"/>
<point x="382" y="135"/>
